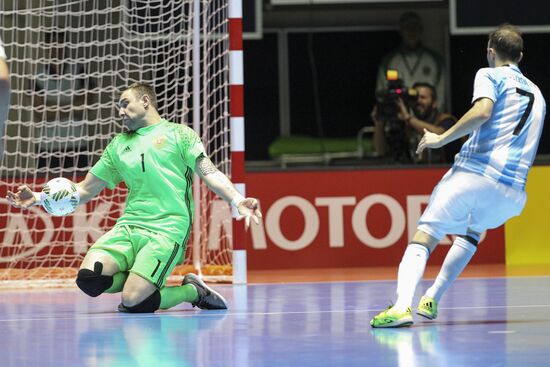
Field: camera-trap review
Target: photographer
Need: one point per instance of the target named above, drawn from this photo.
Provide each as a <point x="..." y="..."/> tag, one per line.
<point x="398" y="129"/>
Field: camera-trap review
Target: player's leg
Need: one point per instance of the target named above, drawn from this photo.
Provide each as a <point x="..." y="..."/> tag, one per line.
<point x="495" y="204"/>
<point x="459" y="255"/>
<point x="139" y="295"/>
<point x="447" y="212"/>
<point x="174" y="295"/>
<point x="412" y="266"/>
<point x="144" y="291"/>
<point x="99" y="273"/>
<point x="104" y="268"/>
<point x="409" y="275"/>
<point x="208" y="299"/>
<point x="192" y="290"/>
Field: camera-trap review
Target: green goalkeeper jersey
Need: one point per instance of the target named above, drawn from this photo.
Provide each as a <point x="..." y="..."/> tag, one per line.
<point x="156" y="163"/>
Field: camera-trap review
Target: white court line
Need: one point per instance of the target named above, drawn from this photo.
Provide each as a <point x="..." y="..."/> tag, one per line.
<point x="72" y="287"/>
<point x="384" y="280"/>
<point x="203" y="314"/>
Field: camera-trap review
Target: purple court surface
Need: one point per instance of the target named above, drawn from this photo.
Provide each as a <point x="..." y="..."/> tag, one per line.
<point x="482" y="322"/>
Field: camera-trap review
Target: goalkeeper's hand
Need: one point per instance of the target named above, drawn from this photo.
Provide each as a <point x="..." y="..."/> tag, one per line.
<point x="249" y="208"/>
<point x="23" y="198"/>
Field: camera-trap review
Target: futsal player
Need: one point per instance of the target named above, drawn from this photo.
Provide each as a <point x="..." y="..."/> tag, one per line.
<point x="486" y="185"/>
<point x="156" y="159"/>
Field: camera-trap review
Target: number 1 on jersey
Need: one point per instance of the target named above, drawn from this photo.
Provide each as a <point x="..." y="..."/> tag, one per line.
<point x="142" y="162"/>
<point x="527" y="111"/>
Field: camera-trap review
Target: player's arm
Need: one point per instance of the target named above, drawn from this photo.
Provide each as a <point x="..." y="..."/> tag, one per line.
<point x="24" y="197"/>
<point x="223" y="187"/>
<point x="90" y="187"/>
<point x="478" y="114"/>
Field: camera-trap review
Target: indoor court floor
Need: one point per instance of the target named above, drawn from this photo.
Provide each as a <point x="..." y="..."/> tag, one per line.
<point x="484" y="321"/>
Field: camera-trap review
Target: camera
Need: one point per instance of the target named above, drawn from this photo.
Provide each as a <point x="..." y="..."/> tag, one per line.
<point x="397" y="136"/>
<point x="386" y="99"/>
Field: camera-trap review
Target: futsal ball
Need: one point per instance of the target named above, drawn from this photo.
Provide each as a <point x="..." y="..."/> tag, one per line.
<point x="60" y="196"/>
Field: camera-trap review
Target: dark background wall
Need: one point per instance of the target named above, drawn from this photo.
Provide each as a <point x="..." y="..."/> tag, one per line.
<point x="342" y="47"/>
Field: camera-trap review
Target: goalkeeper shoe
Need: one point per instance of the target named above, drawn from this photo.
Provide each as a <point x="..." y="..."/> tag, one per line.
<point x="427" y="307"/>
<point x="208" y="298"/>
<point x="392" y="317"/>
<point x="122" y="308"/>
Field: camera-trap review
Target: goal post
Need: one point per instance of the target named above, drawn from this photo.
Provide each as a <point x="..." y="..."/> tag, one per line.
<point x="68" y="63"/>
<point x="236" y="81"/>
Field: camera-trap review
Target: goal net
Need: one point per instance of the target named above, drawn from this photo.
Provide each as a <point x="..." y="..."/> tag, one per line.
<point x="68" y="62"/>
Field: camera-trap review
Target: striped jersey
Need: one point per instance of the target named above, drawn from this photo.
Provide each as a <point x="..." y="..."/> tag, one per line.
<point x="504" y="147"/>
<point x="156" y="163"/>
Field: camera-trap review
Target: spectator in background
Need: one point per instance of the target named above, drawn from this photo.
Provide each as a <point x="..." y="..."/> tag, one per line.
<point x="408" y="126"/>
<point x="62" y="87"/>
<point x="414" y="62"/>
<point x="4" y="97"/>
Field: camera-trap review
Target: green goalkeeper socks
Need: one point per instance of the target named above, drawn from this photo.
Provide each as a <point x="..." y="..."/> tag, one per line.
<point x="172" y="296"/>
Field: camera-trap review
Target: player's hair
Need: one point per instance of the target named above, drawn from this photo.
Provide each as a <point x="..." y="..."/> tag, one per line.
<point x="427" y="85"/>
<point x="507" y="42"/>
<point x="141" y="89"/>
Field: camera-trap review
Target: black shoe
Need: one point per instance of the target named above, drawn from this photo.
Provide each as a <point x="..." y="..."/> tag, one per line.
<point x="208" y="299"/>
<point x="122" y="308"/>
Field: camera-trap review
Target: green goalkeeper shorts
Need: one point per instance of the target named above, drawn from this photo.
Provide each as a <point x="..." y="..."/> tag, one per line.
<point x="150" y="255"/>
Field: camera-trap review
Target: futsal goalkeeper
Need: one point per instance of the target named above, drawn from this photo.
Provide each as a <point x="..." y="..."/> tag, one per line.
<point x="156" y="159"/>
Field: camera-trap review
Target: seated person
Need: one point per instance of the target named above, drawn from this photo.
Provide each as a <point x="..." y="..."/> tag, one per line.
<point x="398" y="137"/>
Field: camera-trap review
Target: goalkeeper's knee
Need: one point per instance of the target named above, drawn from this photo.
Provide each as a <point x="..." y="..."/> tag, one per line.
<point x="148" y="305"/>
<point x="92" y="282"/>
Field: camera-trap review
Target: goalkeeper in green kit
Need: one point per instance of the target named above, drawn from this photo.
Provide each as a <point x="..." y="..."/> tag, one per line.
<point x="156" y="159"/>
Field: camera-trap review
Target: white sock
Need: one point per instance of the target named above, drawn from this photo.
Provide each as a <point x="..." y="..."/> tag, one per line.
<point x="457" y="258"/>
<point x="410" y="272"/>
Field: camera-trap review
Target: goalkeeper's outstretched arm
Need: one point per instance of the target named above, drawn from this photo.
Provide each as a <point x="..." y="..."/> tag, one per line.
<point x="248" y="208"/>
<point x="88" y="188"/>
